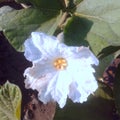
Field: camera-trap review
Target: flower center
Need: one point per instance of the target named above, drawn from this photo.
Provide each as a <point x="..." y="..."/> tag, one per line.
<point x="60" y="63"/>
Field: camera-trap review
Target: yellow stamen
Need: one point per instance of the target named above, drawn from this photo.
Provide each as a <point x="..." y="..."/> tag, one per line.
<point x="60" y="63"/>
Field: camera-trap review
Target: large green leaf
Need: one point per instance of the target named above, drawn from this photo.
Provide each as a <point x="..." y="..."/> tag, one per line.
<point x="18" y="25"/>
<point x="76" y="30"/>
<point x="44" y="4"/>
<point x="98" y="107"/>
<point x="10" y="102"/>
<point x="106" y="22"/>
<point x="96" y="23"/>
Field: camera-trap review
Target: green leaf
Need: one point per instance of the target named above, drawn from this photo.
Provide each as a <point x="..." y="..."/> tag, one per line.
<point x="106" y="22"/>
<point x="18" y="25"/>
<point x="104" y="91"/>
<point x="95" y="24"/>
<point x="76" y="30"/>
<point x="10" y="102"/>
<point x="107" y="51"/>
<point x="116" y="89"/>
<point x="98" y="107"/>
<point x="5" y="9"/>
<point x="75" y="34"/>
<point x="77" y="1"/>
<point x="44" y="4"/>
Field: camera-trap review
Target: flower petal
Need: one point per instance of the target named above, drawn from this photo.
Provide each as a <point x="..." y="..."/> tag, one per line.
<point x="46" y="44"/>
<point x="84" y="82"/>
<point x="57" y="86"/>
<point x="39" y="74"/>
<point x="31" y="52"/>
<point x="76" y="95"/>
<point x="54" y="90"/>
<point x="45" y="96"/>
<point x="79" y="53"/>
<point x="86" y="53"/>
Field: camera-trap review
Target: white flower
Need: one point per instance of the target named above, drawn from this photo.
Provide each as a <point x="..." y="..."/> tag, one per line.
<point x="59" y="71"/>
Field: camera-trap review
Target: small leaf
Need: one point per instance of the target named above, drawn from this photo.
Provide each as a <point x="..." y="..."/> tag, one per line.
<point x="10" y="102"/>
<point x="18" y="24"/>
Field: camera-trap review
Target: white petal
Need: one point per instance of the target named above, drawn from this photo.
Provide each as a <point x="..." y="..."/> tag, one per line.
<point x="31" y="52"/>
<point x="46" y="44"/>
<point x="77" y="95"/>
<point x="45" y="96"/>
<point x="39" y="75"/>
<point x="86" y="53"/>
<point x="79" y="53"/>
<point x="57" y="86"/>
<point x="74" y="94"/>
<point x="84" y="82"/>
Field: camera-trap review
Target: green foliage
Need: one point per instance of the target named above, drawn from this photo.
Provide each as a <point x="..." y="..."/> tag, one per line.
<point x="43" y="4"/>
<point x="105" y="17"/>
<point x="104" y="92"/>
<point x="76" y="30"/>
<point x="10" y="102"/>
<point x="5" y="9"/>
<point x="96" y="24"/>
<point x="20" y="23"/>
<point x="77" y="1"/>
<point x="107" y="51"/>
